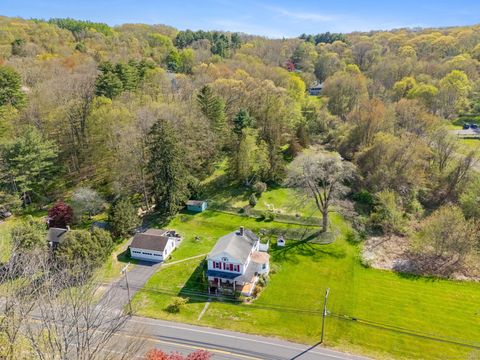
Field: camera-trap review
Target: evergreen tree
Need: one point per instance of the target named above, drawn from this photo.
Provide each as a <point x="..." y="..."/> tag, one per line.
<point x="10" y="88"/>
<point x="30" y="164"/>
<point x="123" y="217"/>
<point x="128" y="75"/>
<point x="213" y="107"/>
<point x="241" y="121"/>
<point x="108" y="85"/>
<point x="167" y="168"/>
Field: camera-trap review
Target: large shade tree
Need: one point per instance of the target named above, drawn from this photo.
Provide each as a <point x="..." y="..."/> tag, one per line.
<point x="323" y="177"/>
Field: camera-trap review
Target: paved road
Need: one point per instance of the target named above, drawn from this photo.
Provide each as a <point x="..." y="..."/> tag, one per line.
<point x="183" y="338"/>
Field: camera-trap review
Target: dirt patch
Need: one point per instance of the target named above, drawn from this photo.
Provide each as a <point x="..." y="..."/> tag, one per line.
<point x="394" y="253"/>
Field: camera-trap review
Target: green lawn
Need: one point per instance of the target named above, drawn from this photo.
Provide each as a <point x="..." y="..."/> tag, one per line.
<point x="302" y="272"/>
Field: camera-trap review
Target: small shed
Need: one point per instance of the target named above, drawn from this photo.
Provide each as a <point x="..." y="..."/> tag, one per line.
<point x="197" y="205"/>
<point x="281" y="242"/>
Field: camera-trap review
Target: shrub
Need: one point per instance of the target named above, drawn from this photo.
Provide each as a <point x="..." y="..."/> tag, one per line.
<point x="252" y="200"/>
<point x="352" y="237"/>
<point x="29" y="234"/>
<point x="274" y="268"/>
<point x="263" y="280"/>
<point x="269" y="215"/>
<point x="259" y="187"/>
<point x="176" y="305"/>
<point x="60" y="215"/>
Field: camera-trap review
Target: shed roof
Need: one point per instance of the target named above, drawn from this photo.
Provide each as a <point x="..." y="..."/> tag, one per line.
<point x="195" y="202"/>
<point x="235" y="245"/>
<point x="56" y="235"/>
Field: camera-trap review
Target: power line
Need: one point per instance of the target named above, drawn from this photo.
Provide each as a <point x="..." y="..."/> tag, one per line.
<point x="408" y="332"/>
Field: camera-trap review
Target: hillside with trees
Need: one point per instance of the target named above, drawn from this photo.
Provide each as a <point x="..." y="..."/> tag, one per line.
<point x="136" y="119"/>
<point x="146" y="112"/>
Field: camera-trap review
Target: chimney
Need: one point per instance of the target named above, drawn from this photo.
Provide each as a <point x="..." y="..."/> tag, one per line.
<point x="242" y="231"/>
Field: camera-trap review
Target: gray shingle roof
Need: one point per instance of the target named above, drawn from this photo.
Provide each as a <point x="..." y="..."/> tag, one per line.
<point x="149" y="241"/>
<point x="56" y="235"/>
<point x="235" y="245"/>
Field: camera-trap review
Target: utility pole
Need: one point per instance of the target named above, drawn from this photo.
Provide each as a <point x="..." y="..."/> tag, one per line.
<point x="324" y="315"/>
<point x="124" y="271"/>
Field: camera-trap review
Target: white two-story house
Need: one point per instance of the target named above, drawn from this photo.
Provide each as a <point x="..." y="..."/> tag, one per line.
<point x="235" y="263"/>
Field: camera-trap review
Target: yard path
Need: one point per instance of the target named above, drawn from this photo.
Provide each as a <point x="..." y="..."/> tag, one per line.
<point x="183" y="260"/>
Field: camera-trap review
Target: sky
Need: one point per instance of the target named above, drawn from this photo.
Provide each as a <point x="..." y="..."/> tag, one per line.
<point x="269" y="18"/>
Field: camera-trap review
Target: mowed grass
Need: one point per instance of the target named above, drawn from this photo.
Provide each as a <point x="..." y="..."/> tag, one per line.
<point x="290" y="306"/>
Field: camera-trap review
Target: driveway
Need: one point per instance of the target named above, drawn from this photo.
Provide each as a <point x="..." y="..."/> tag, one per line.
<point x="117" y="294"/>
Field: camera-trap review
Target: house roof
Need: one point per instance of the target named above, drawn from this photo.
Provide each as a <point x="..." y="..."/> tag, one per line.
<point x="195" y="202"/>
<point x="149" y="241"/>
<point x="235" y="245"/>
<point x="260" y="257"/>
<point x="158" y="232"/>
<point x="56" y="235"/>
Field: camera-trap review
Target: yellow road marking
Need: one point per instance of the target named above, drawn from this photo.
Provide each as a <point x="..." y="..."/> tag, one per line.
<point x="190" y="346"/>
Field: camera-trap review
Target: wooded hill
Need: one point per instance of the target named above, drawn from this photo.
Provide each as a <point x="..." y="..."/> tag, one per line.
<point x="146" y="112"/>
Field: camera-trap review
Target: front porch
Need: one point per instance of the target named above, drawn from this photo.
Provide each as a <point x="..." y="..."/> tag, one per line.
<point x="221" y="286"/>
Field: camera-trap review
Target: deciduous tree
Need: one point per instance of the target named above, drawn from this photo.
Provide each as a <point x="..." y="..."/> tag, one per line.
<point x="323" y="176"/>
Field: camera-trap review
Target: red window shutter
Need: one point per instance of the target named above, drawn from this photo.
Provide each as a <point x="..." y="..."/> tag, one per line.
<point x="231" y="267"/>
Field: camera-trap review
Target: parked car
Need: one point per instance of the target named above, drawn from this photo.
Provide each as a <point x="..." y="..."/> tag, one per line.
<point x="473" y="126"/>
<point x="466" y="126"/>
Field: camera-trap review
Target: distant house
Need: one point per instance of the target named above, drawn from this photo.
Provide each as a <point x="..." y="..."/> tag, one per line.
<point x="235" y="263"/>
<point x="154" y="245"/>
<point x="281" y="242"/>
<point x="55" y="236"/>
<point x="197" y="205"/>
<point x="315" y="89"/>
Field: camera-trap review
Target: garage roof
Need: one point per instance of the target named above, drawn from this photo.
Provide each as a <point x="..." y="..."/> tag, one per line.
<point x="148" y="241"/>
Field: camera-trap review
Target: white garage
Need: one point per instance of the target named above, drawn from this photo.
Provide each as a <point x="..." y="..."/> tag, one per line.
<point x="153" y="245"/>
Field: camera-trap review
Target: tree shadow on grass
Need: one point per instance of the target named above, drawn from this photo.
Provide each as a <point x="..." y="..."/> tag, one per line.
<point x="196" y="287"/>
<point x="311" y="244"/>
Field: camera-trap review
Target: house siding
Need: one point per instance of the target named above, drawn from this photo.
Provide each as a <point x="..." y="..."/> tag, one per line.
<point x="198" y="208"/>
<point x="152" y="255"/>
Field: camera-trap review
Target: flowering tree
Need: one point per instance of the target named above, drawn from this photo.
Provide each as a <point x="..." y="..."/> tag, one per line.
<point x="155" y="354"/>
<point x="60" y="215"/>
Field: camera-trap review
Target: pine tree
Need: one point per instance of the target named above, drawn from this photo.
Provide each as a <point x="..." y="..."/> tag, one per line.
<point x="241" y="121"/>
<point x="167" y="168"/>
<point x="213" y="107"/>
<point x="123" y="217"/>
<point x="30" y="164"/>
<point x="10" y="88"/>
